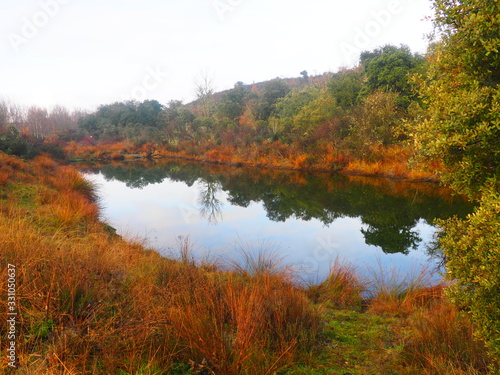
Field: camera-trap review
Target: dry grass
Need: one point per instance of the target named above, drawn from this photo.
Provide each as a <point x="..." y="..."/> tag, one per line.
<point x="93" y="303"/>
<point x="392" y="292"/>
<point x="435" y="337"/>
<point x="441" y="342"/>
<point x="235" y="325"/>
<point x="342" y="288"/>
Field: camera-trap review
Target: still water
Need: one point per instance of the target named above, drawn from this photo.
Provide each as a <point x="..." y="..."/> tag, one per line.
<point x="309" y="219"/>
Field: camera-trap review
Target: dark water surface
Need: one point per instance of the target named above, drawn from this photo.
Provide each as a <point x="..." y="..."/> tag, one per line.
<point x="310" y="219"/>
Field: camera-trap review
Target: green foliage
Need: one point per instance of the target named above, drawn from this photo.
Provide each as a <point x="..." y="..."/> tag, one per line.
<point x="288" y="107"/>
<point x="473" y="250"/>
<point x="319" y="110"/>
<point x="123" y="118"/>
<point x="462" y="92"/>
<point x="43" y="329"/>
<point x="175" y="118"/>
<point x="345" y="86"/>
<point x="374" y="122"/>
<point x="272" y="91"/>
<point x="232" y="104"/>
<point x="14" y="142"/>
<point x="388" y="68"/>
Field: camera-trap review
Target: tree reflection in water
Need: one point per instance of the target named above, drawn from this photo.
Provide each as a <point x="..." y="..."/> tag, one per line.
<point x="209" y="205"/>
<point x="389" y="210"/>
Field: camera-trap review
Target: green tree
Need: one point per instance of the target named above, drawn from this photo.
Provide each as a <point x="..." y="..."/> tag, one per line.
<point x="462" y="92"/>
<point x="319" y="110"/>
<point x="232" y="103"/>
<point x="389" y="68"/>
<point x="374" y="122"/>
<point x="176" y="119"/>
<point x="288" y="107"/>
<point x="271" y="92"/>
<point x="148" y="111"/>
<point x="128" y="118"/>
<point x="345" y="86"/>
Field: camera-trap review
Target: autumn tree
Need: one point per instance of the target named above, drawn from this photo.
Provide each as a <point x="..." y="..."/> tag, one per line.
<point x="462" y="93"/>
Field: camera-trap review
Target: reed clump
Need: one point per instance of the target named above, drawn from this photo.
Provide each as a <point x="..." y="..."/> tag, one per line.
<point x="342" y="288"/>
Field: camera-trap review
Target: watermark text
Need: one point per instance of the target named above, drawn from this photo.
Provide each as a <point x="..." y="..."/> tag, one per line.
<point x="11" y="315"/>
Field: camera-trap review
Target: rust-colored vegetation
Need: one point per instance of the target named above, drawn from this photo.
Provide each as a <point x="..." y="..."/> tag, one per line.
<point x="91" y="303"/>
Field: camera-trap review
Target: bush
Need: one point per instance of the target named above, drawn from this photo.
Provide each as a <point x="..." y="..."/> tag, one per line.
<point x="472" y="247"/>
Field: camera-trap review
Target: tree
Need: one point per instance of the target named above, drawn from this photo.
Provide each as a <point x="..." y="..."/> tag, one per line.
<point x="345" y="86"/>
<point x="60" y="118"/>
<point x="272" y="91"/>
<point x="4" y="113"/>
<point x="388" y="68"/>
<point x="38" y="121"/>
<point x="288" y="107"/>
<point x="148" y="112"/>
<point x="374" y="121"/>
<point x="462" y="93"/>
<point x="232" y="103"/>
<point x="204" y="90"/>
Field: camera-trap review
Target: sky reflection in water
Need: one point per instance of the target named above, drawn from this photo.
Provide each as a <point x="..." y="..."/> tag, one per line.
<point x="313" y="221"/>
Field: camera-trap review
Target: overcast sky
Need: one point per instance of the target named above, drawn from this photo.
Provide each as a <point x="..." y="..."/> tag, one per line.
<point x="82" y="53"/>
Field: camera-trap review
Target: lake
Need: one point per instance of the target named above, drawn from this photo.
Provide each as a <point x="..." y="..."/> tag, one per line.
<point x="309" y="219"/>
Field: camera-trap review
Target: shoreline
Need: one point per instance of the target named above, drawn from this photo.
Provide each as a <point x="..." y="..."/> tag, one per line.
<point x="99" y="304"/>
<point x="434" y="179"/>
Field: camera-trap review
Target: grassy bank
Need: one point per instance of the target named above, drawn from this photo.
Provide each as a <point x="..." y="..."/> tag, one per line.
<point x="393" y="161"/>
<point x="90" y="303"/>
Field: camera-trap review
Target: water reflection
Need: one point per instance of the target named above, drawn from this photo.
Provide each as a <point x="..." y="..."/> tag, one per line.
<point x="389" y="210"/>
<point x="209" y="205"/>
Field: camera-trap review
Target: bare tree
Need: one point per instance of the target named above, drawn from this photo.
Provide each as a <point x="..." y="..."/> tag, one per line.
<point x="17" y="115"/>
<point x="38" y="121"/>
<point x="4" y="113"/>
<point x="60" y="118"/>
<point x="204" y="90"/>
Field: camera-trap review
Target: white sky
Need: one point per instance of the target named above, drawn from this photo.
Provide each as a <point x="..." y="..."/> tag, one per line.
<point x="82" y="53"/>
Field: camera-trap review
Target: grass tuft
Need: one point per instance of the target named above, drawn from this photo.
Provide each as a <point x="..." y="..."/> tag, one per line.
<point x="342" y="288"/>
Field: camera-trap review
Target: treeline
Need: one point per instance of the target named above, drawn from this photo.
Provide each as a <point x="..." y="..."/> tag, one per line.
<point x="358" y="119"/>
<point x="38" y="121"/>
<point x="28" y="131"/>
<point x="306" y="122"/>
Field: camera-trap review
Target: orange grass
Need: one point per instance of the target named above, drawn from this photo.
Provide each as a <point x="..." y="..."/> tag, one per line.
<point x="243" y="326"/>
<point x="394" y="293"/>
<point x="342" y="288"/>
<point x="95" y="304"/>
<point x="441" y="342"/>
<point x="391" y="161"/>
<point x="92" y="303"/>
